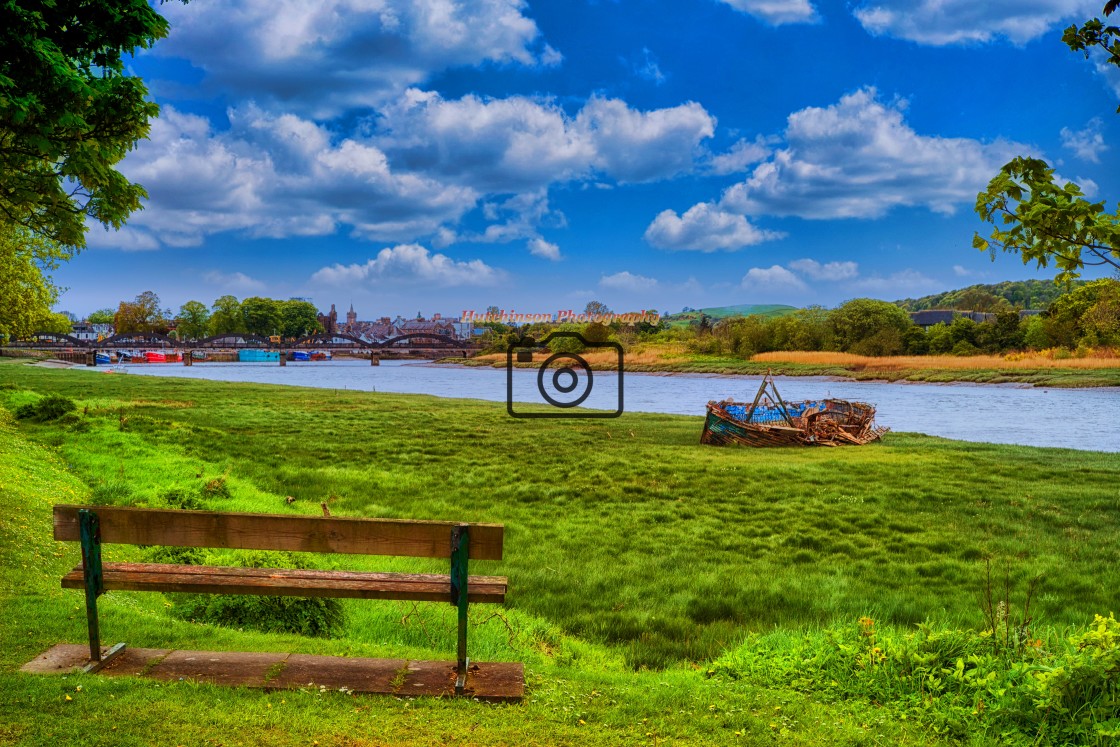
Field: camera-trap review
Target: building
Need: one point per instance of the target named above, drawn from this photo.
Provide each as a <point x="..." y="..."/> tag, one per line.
<point x="928" y="318"/>
<point x="92" y="332"/>
<point x="385" y="328"/>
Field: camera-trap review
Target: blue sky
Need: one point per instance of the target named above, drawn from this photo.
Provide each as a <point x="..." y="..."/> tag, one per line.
<point x="439" y="155"/>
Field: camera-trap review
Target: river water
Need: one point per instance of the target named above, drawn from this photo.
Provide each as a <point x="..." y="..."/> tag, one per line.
<point x="1087" y="419"/>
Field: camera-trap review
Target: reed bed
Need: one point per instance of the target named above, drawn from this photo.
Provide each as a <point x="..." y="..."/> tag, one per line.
<point x="1011" y="362"/>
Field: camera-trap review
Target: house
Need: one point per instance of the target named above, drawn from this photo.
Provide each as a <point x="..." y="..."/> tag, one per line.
<point x="87" y="331"/>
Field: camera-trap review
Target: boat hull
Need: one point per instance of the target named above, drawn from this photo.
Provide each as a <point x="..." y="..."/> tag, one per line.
<point x="818" y="423"/>
<point x="258" y="356"/>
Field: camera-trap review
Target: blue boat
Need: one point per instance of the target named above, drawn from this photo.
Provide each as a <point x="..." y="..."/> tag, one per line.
<point x="259" y="356"/>
<point x="101" y="358"/>
<point x="299" y="355"/>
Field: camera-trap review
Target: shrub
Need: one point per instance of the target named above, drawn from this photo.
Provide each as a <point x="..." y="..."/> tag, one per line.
<point x="216" y="488"/>
<point x="111" y="493"/>
<point x="186" y="501"/>
<point x="959" y="682"/>
<point x="176" y="555"/>
<point x="319" y="617"/>
<point x="51" y="407"/>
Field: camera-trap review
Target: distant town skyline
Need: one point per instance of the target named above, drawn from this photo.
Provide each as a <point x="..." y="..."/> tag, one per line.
<point x="538" y="155"/>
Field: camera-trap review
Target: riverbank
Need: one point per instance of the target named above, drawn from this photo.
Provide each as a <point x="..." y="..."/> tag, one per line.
<point x="658" y="588"/>
<point x="1027" y="370"/>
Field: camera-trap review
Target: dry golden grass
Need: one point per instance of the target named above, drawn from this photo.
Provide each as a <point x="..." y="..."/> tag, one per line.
<point x="1012" y="362"/>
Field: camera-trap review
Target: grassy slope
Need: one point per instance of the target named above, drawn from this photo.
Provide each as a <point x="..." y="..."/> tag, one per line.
<point x="627" y="534"/>
<point x="578" y="694"/>
<point x="685" y="318"/>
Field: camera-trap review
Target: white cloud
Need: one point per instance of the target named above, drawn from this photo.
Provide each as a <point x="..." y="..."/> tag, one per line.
<point x="858" y="159"/>
<point x="236" y="282"/>
<point x="828" y="271"/>
<point x="742" y="154"/>
<point x="538" y="247"/>
<point x="126" y="239"/>
<point x="941" y="22"/>
<point x="1088" y="143"/>
<point x="427" y="164"/>
<point x="903" y="281"/>
<point x="706" y="228"/>
<point x="327" y="56"/>
<point x="646" y="67"/>
<point x="277" y="176"/>
<point x="627" y="281"/>
<point x="1108" y="71"/>
<point x="636" y="146"/>
<point x="518" y="143"/>
<point x="960" y="271"/>
<point x="411" y="263"/>
<point x="776" y="12"/>
<point x="774" y="277"/>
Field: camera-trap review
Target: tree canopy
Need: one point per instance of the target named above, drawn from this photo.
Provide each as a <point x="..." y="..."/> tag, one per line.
<point x="142" y="315"/>
<point x="69" y="112"/>
<point x="26" y="291"/>
<point x="193" y="321"/>
<point x="1044" y="221"/>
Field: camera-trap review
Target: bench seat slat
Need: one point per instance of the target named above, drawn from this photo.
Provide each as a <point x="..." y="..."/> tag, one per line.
<point x="287" y="582"/>
<point x="328" y="534"/>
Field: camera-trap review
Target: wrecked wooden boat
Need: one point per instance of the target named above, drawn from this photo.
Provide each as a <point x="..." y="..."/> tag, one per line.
<point x="771" y="421"/>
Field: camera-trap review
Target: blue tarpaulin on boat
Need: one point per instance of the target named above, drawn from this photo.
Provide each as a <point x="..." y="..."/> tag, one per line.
<point x="770" y="413"/>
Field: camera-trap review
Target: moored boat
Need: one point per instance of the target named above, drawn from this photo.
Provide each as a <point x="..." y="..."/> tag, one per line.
<point x="771" y="421"/>
<point x="320" y="355"/>
<point x="299" y="355"/>
<point x="155" y="356"/>
<point x="102" y="358"/>
<point x="258" y="356"/>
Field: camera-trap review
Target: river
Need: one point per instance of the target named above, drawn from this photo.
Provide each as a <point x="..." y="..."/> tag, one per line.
<point x="1087" y="419"/>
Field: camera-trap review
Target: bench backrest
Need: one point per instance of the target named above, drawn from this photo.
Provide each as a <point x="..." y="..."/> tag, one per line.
<point x="331" y="534"/>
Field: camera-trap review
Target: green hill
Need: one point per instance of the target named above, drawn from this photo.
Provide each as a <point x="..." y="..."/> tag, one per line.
<point x="1021" y="294"/>
<point x="722" y="312"/>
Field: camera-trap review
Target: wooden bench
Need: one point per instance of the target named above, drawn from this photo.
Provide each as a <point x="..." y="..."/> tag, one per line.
<point x="97" y="525"/>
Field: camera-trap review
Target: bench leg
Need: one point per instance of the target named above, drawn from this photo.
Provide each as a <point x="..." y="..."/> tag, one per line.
<point x="460" y="541"/>
<point x="90" y="530"/>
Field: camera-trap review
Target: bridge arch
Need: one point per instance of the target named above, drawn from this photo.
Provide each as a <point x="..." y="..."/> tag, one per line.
<point x="139" y="340"/>
<point x="233" y="340"/>
<point x="331" y="340"/>
<point x="49" y="340"/>
<point x="447" y="340"/>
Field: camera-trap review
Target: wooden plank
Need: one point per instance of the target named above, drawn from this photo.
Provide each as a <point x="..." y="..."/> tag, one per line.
<point x="281" y="582"/>
<point x="331" y="534"/>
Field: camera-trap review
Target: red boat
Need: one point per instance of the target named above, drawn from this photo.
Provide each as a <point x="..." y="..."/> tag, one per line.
<point x="153" y="356"/>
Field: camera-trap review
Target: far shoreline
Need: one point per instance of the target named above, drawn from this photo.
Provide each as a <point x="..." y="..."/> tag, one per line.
<point x="1058" y="377"/>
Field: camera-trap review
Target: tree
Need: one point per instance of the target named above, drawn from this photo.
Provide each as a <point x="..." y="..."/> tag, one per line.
<point x="26" y="291"/>
<point x="1088" y="314"/>
<point x="1094" y="33"/>
<point x="1048" y="222"/>
<point x="101" y="316"/>
<point x="596" y="308"/>
<point x="298" y="318"/>
<point x="69" y="112"/>
<point x="878" y="325"/>
<point x="262" y="316"/>
<point x="142" y="315"/>
<point x="193" y="321"/>
<point x="227" y="318"/>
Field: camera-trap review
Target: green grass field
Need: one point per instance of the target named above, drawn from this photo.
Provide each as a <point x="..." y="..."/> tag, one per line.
<point x="646" y="571"/>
